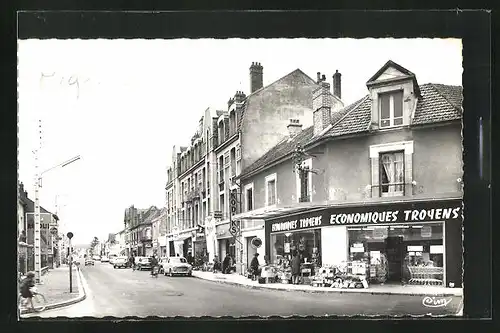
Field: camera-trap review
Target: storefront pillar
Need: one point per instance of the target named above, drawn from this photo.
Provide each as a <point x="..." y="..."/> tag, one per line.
<point x="454" y="254"/>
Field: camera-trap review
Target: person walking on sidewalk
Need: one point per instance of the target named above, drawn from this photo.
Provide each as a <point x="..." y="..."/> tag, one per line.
<point x="295" y="268"/>
<point x="254" y="267"/>
<point x="132" y="262"/>
<point x="226" y="264"/>
<point x="216" y="264"/>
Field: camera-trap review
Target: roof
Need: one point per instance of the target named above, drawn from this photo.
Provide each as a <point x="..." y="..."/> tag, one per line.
<point x="438" y="103"/>
<point x="282" y="149"/>
<point x="247" y="99"/>
<point x="30" y="207"/>
<point x="400" y="68"/>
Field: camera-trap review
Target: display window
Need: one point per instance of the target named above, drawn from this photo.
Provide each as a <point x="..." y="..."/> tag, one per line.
<point x="411" y="254"/>
<point x="307" y="243"/>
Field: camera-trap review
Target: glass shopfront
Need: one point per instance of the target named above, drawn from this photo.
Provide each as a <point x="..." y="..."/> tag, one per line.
<point x="412" y="253"/>
<point x="306" y="242"/>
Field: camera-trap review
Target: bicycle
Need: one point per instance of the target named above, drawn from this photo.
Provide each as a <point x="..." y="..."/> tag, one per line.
<point x="38" y="302"/>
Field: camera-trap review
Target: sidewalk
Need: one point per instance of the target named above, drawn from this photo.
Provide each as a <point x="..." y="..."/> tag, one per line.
<point x="55" y="287"/>
<point x="240" y="280"/>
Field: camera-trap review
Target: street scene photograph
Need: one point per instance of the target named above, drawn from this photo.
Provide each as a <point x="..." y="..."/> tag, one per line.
<point x="240" y="177"/>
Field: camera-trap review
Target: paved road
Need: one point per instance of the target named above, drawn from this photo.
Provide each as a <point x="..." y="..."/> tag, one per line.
<point x="123" y="292"/>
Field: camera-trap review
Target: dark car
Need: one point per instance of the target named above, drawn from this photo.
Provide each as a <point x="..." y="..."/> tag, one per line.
<point x="143" y="263"/>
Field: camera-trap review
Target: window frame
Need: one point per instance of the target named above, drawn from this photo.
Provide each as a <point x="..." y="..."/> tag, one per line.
<point x="380" y="165"/>
<point x="391" y="118"/>
<point x="269" y="179"/>
<point x="376" y="150"/>
<point x="245" y="189"/>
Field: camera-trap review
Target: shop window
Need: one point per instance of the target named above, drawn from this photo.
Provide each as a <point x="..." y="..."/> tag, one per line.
<point x="391" y="109"/>
<point x="392" y="176"/>
<point x="399" y="253"/>
<point x="249" y="197"/>
<point x="271" y="190"/>
<point x="306" y="243"/>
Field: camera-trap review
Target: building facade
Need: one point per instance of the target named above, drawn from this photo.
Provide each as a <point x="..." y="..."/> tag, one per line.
<point x="201" y="177"/>
<point x="378" y="181"/>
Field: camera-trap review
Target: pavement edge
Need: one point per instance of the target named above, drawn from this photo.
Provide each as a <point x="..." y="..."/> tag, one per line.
<point x="325" y="291"/>
<point x="82" y="294"/>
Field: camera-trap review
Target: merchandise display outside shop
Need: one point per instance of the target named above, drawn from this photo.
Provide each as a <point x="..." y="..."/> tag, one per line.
<point x="355" y="247"/>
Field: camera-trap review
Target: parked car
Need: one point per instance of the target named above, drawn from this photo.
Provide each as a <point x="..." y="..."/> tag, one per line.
<point x="89" y="261"/>
<point x="143" y="263"/>
<point x="120" y="262"/>
<point x="162" y="262"/>
<point x="112" y="258"/>
<point x="177" y="266"/>
<point x="96" y="258"/>
<point x="104" y="259"/>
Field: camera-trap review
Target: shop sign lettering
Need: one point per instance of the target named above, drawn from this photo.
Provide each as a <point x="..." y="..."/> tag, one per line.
<point x="381" y="214"/>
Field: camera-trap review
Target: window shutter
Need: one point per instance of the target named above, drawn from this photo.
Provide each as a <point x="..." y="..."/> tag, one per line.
<point x="375" y="175"/>
<point x="408" y="172"/>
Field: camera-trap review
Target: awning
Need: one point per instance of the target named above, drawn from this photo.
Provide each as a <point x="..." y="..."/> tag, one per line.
<point x="182" y="238"/>
<point x="277" y="211"/>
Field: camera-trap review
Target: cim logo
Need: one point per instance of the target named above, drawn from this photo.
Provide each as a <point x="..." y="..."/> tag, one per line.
<point x="436" y="302"/>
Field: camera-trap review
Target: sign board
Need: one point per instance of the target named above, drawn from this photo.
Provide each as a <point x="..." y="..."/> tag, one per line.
<point x="435" y="249"/>
<point x="426" y="231"/>
<point x="218" y="214"/>
<point x="233" y="203"/>
<point x="53" y="231"/>
<point x="357" y="249"/>
<point x="415" y="248"/>
<point x="234" y="229"/>
<point x="382" y="214"/>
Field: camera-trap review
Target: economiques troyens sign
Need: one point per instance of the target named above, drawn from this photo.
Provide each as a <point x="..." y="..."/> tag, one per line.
<point x="374" y="214"/>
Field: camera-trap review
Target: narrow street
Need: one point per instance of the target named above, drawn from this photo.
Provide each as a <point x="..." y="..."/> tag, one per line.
<point x="123" y="292"/>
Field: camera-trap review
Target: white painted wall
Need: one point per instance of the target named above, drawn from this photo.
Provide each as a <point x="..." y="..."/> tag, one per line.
<point x="334" y="245"/>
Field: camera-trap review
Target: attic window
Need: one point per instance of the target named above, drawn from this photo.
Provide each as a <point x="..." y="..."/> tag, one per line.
<point x="391" y="109"/>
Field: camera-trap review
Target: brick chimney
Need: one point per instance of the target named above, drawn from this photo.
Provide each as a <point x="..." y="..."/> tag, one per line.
<point x="294" y="127"/>
<point x="337" y="86"/>
<point x="256" y="77"/>
<point x="322" y="105"/>
<point x="239" y="97"/>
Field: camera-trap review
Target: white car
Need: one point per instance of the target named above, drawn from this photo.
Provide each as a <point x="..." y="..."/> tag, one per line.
<point x="96" y="258"/>
<point x="176" y="266"/>
<point x="112" y="259"/>
<point x="104" y="259"/>
<point x="119" y="262"/>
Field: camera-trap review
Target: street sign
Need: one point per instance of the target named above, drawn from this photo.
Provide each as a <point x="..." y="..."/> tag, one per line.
<point x="218" y="214"/>
<point x="233" y="202"/>
<point x="53" y="231"/>
<point x="70" y="235"/>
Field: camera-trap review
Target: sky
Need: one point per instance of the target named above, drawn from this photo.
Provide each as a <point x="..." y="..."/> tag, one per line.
<point x="123" y="104"/>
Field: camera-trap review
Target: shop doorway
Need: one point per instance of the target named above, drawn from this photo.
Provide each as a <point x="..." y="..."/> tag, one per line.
<point x="395" y="250"/>
<point x="171" y="248"/>
<point x="250" y="250"/>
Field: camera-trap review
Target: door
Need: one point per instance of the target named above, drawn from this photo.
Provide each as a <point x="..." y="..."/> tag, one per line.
<point x="394" y="249"/>
<point x="250" y="251"/>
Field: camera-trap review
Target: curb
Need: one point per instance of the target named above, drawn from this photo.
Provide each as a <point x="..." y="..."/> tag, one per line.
<point x="327" y="290"/>
<point x="81" y="296"/>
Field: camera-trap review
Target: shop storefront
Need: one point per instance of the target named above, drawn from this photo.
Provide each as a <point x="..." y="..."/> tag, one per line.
<point x="200" y="249"/>
<point x="414" y="242"/>
<point x="225" y="241"/>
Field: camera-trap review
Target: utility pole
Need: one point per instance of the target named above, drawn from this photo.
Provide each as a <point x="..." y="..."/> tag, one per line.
<point x="38" y="264"/>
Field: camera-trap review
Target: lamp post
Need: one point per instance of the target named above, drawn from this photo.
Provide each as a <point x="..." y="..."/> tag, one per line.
<point x="70" y="257"/>
<point x="38" y="268"/>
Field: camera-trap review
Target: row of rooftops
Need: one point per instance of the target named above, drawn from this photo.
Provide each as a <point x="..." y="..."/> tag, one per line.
<point x="436" y="103"/>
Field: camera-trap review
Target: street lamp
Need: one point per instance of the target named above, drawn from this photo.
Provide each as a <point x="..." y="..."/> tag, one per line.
<point x="38" y="179"/>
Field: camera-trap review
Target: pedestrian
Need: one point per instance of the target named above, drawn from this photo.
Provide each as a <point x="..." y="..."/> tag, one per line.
<point x="226" y="264"/>
<point x="295" y="268"/>
<point x="254" y="266"/>
<point x="132" y="262"/>
<point x="154" y="264"/>
<point x="216" y="264"/>
<point x="190" y="259"/>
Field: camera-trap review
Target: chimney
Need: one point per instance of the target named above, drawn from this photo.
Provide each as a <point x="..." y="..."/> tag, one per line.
<point x="256" y="77"/>
<point x="337" y="84"/>
<point x="229" y="103"/>
<point x="239" y="97"/>
<point x="322" y="105"/>
<point x="294" y="127"/>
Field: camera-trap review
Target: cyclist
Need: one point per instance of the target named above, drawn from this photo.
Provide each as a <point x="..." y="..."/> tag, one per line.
<point x="154" y="265"/>
<point x="26" y="284"/>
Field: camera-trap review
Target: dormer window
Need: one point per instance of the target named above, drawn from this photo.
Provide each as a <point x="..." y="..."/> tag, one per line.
<point x="391" y="109"/>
